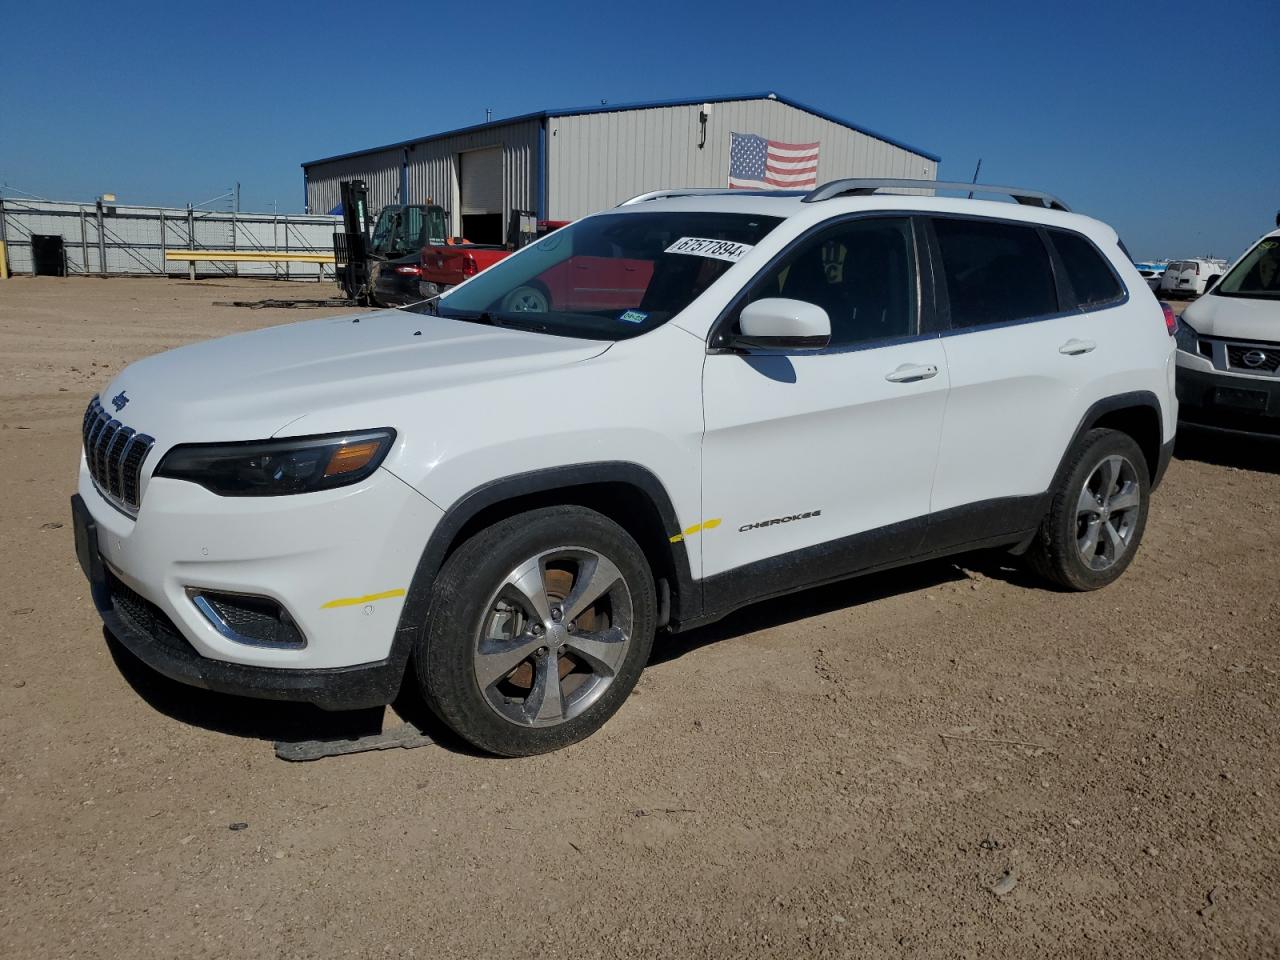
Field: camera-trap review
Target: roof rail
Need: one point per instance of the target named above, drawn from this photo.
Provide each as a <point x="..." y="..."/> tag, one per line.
<point x="865" y="188"/>
<point x="679" y="192"/>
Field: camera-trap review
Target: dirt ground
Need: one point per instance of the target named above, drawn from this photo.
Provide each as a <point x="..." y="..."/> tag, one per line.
<point x="849" y="772"/>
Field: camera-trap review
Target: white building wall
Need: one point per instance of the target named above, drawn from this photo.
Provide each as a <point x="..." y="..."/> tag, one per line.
<point x="597" y="160"/>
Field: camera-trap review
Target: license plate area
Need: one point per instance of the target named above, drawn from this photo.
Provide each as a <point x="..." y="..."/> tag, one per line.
<point x="86" y="536"/>
<point x="1251" y="400"/>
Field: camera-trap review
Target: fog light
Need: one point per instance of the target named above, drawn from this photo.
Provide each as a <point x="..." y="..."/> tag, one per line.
<point x="245" y="618"/>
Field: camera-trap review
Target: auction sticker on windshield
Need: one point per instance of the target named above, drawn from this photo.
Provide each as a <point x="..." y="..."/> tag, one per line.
<point x="717" y="249"/>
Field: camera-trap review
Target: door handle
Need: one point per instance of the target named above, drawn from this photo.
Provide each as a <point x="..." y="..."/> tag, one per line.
<point x="1074" y="347"/>
<point x="911" y="372"/>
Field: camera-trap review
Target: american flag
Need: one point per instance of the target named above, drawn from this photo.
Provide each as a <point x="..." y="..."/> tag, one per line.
<point x="759" y="164"/>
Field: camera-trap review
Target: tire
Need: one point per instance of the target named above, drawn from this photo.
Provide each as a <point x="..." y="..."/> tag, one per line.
<point x="1090" y="535"/>
<point x="512" y="589"/>
<point x="530" y="298"/>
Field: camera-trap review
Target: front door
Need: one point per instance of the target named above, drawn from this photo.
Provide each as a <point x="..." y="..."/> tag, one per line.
<point x="821" y="463"/>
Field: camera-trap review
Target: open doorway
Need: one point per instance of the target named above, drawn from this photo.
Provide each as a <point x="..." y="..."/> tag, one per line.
<point x="480" y="195"/>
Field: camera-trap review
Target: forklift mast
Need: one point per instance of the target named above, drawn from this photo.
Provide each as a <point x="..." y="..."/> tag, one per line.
<point x="351" y="247"/>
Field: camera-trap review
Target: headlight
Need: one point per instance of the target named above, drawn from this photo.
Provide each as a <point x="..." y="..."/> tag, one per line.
<point x="1186" y="336"/>
<point x="272" y="468"/>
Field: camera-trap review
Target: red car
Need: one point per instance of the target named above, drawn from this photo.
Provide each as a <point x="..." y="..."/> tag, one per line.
<point x="445" y="265"/>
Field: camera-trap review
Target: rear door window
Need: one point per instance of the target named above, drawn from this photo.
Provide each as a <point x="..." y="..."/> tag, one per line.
<point x="994" y="272"/>
<point x="1092" y="279"/>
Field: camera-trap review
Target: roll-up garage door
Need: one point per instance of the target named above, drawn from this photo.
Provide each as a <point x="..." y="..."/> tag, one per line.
<point x="480" y="179"/>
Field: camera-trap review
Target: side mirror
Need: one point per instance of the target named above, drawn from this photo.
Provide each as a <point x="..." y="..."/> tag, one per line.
<point x="778" y="323"/>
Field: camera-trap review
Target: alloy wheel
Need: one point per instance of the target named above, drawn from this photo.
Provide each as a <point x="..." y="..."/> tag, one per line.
<point x="1107" y="512"/>
<point x="554" y="636"/>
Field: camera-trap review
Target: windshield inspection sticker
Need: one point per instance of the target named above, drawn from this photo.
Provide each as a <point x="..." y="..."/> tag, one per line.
<point x="634" y="316"/>
<point x="716" y="249"/>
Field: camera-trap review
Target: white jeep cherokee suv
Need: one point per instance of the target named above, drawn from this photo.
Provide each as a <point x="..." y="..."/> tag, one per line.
<point x="647" y="419"/>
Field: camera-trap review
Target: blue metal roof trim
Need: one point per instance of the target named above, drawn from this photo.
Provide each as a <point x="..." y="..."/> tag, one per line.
<point x="641" y="105"/>
<point x="767" y="95"/>
<point x="540" y="115"/>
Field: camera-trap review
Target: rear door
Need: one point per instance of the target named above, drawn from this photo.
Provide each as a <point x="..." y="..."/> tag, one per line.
<point x="1021" y="355"/>
<point x="819" y="463"/>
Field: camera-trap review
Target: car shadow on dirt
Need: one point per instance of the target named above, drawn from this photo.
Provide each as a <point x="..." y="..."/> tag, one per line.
<point x="1228" y="450"/>
<point x="825" y="599"/>
<point x="279" y="721"/>
<point x="271" y="720"/>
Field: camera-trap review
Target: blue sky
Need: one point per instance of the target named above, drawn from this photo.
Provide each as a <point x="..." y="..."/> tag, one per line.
<point x="1162" y="119"/>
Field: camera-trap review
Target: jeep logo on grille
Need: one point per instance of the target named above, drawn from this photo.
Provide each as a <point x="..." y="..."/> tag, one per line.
<point x="119" y="400"/>
<point x="1254" y="358"/>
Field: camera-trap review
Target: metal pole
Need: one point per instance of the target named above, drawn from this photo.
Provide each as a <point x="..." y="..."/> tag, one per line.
<point x="235" y="264"/>
<point x="4" y="247"/>
<point x="164" y="264"/>
<point x="191" y="241"/>
<point x="84" y="244"/>
<point x="102" y="242"/>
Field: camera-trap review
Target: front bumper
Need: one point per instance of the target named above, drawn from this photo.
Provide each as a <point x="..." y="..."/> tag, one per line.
<point x="340" y="562"/>
<point x="1213" y="400"/>
<point x="150" y="636"/>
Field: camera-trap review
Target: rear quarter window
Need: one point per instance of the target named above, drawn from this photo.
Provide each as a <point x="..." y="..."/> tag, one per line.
<point x="1092" y="280"/>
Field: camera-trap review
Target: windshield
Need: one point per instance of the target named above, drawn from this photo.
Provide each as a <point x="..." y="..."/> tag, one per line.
<point x="609" y="277"/>
<point x="1257" y="275"/>
<point x="404" y="230"/>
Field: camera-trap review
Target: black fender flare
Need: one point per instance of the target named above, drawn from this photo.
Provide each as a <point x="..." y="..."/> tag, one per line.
<point x="1099" y="409"/>
<point x="687" y="602"/>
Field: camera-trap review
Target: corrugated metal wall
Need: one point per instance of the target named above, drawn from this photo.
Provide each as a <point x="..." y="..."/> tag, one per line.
<point x="597" y="160"/>
<point x="133" y="238"/>
<point x="379" y="169"/>
<point x="433" y="170"/>
<point x="433" y="167"/>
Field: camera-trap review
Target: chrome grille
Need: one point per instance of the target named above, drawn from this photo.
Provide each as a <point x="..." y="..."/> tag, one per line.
<point x="1265" y="359"/>
<point x="115" y="454"/>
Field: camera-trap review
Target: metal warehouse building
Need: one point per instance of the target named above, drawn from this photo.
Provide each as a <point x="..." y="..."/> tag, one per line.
<point x="564" y="164"/>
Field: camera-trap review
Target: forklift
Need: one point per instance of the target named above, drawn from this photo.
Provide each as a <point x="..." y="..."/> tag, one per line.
<point x="379" y="268"/>
<point x="384" y="267"/>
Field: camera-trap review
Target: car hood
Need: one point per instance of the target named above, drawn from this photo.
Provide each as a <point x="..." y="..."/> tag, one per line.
<point x="1236" y="317"/>
<point x="254" y="385"/>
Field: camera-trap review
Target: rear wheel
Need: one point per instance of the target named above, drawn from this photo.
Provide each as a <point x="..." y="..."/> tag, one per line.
<point x="1097" y="515"/>
<point x="539" y="628"/>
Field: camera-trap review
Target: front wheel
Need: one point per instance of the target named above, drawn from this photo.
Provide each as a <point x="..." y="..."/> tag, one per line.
<point x="1097" y="515"/>
<point x="539" y="628"/>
